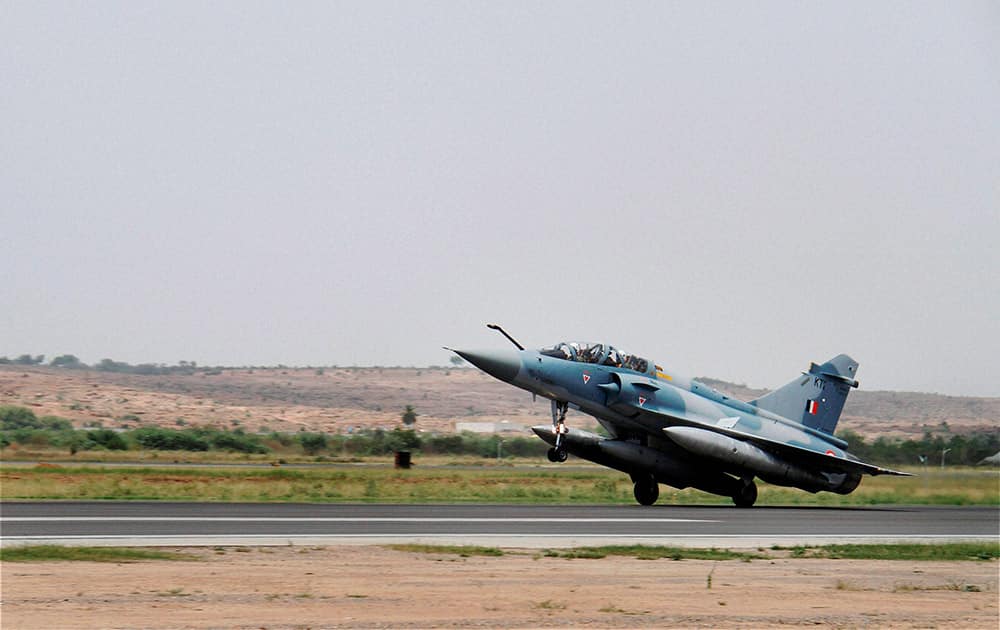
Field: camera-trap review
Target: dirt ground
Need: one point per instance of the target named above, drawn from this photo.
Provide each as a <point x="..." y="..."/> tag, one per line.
<point x="373" y="587"/>
<point x="337" y="400"/>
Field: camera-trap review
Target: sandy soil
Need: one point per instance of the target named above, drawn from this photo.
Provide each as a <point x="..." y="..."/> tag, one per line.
<point x="338" y="399"/>
<point x="372" y="587"/>
<point x="335" y="401"/>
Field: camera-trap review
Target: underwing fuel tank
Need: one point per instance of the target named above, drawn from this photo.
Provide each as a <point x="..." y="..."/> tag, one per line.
<point x="626" y="457"/>
<point x="636" y="459"/>
<point x="742" y="455"/>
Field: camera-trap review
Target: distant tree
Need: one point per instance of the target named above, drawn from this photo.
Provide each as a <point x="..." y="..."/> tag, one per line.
<point x="27" y="359"/>
<point x="238" y="441"/>
<point x="409" y="416"/>
<point x="5" y="361"/>
<point x="109" y="365"/>
<point x="187" y="367"/>
<point x="107" y="439"/>
<point x="54" y="423"/>
<point x="67" y="361"/>
<point x="312" y="443"/>
<point x="457" y="361"/>
<point x="402" y="440"/>
<point x="12" y="417"/>
<point x="157" y="439"/>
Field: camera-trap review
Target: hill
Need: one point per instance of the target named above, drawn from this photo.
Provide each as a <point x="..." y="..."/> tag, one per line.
<point x="342" y="399"/>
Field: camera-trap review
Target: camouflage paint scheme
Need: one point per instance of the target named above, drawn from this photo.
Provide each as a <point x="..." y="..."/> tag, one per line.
<point x="667" y="428"/>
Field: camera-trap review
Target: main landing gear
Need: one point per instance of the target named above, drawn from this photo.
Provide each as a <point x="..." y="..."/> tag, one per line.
<point x="645" y="489"/>
<point x="558" y="452"/>
<point x="746" y="496"/>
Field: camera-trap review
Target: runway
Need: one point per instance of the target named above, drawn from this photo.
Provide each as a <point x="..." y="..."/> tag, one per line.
<point x="157" y="523"/>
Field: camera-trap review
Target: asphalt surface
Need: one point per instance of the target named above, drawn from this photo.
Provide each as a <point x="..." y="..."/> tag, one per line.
<point x="158" y="523"/>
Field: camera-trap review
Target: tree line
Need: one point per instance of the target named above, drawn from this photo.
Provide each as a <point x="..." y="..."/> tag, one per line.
<point x="929" y="449"/>
<point x="71" y="362"/>
<point x="20" y="425"/>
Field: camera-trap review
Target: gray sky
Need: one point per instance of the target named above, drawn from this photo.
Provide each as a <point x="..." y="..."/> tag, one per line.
<point x="729" y="189"/>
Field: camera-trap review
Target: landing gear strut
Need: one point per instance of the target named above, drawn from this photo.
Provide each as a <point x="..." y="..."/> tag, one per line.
<point x="645" y="489"/>
<point x="558" y="453"/>
<point x="746" y="496"/>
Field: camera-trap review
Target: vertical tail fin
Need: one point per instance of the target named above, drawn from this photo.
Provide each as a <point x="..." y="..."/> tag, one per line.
<point x="817" y="397"/>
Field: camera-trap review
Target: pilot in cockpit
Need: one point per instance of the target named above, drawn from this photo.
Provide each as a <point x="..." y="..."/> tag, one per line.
<point x="613" y="359"/>
<point x="593" y="353"/>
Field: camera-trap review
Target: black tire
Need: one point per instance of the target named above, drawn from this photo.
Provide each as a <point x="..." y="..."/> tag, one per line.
<point x="746" y="496"/>
<point x="557" y="455"/>
<point x="646" y="491"/>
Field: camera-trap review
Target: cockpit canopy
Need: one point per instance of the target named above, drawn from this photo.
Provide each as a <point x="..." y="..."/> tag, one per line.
<point x="597" y="353"/>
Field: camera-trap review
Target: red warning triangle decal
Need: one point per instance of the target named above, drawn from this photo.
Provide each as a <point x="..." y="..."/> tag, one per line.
<point x="586" y="378"/>
<point x="642" y="401"/>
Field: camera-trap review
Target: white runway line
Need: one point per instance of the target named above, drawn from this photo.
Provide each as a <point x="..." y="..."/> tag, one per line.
<point x="331" y="519"/>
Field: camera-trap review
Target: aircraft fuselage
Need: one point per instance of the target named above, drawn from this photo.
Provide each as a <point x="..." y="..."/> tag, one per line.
<point x="666" y="428"/>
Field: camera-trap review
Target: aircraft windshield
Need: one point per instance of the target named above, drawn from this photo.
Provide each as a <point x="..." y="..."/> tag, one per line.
<point x="597" y="353"/>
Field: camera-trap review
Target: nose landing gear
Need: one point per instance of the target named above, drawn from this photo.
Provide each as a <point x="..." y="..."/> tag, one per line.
<point x="558" y="452"/>
<point x="557" y="456"/>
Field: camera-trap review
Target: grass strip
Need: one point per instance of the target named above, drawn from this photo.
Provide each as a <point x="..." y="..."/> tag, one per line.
<point x="902" y="551"/>
<point x="962" y="552"/>
<point x="441" y="485"/>
<point x="40" y="553"/>
<point x="464" y="551"/>
<point x="649" y="552"/>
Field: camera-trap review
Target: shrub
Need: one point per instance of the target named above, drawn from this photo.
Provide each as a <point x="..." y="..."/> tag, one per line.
<point x="312" y="443"/>
<point x="237" y="441"/>
<point x="105" y="438"/>
<point x="443" y="444"/>
<point x="409" y="416"/>
<point x="12" y="417"/>
<point x="169" y="440"/>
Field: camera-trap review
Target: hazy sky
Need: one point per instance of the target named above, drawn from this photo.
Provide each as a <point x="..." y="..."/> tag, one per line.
<point x="730" y="189"/>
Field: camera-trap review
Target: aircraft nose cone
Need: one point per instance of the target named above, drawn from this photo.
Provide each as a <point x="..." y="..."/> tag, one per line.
<point x="501" y="364"/>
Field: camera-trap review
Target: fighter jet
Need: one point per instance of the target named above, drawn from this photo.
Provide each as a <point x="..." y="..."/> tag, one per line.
<point x="670" y="429"/>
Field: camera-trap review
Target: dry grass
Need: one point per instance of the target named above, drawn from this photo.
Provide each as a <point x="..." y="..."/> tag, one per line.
<point x="497" y="485"/>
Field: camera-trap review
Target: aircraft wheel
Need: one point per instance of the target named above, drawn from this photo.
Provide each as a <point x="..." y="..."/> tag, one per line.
<point x="557" y="455"/>
<point x="746" y="496"/>
<point x="646" y="491"/>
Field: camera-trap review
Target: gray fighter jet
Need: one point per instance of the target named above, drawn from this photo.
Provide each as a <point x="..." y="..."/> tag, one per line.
<point x="666" y="428"/>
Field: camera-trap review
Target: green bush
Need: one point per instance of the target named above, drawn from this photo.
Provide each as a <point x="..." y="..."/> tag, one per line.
<point x="312" y="443"/>
<point x="13" y="418"/>
<point x="444" y="445"/>
<point x="104" y="438"/>
<point x="169" y="440"/>
<point x="237" y="441"/>
<point x="402" y="440"/>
